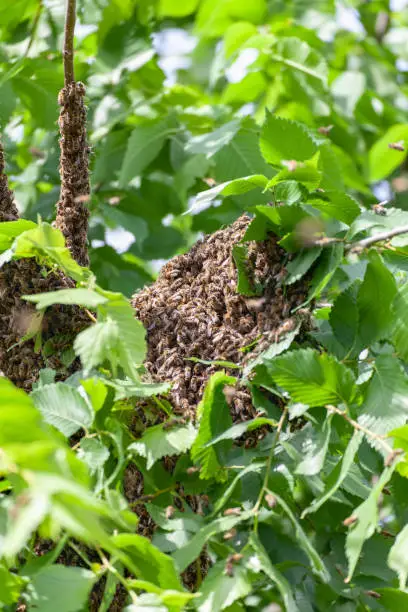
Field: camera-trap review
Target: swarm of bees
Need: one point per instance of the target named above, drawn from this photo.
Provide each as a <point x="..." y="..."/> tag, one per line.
<point x="193" y="310"/>
<point x="72" y="212"/>
<point x="20" y="340"/>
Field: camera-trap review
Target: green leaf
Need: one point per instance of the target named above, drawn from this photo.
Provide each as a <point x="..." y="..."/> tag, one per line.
<point x="315" y="449"/>
<point x="298" y="55"/>
<point x="46" y="241"/>
<point x="190" y="551"/>
<point x="10" y="587"/>
<point x="120" y="339"/>
<point x="151" y="564"/>
<point x="93" y="453"/>
<point x="338" y="206"/>
<point x="400" y="332"/>
<point x="236" y="187"/>
<point x="275" y="349"/>
<point x="82" y="297"/>
<point x="283" y="139"/>
<point x="345" y="319"/>
<point x="382" y="159"/>
<point x="398" y="557"/>
<point x="298" y="266"/>
<point x="70" y="586"/>
<point x="375" y="298"/>
<point x="211" y="143"/>
<point x="385" y="405"/>
<point x="173" y="8"/>
<point x="246" y="285"/>
<point x="289" y="192"/>
<point x="277" y="578"/>
<point x="393" y="599"/>
<point x="366" y="521"/>
<point x="239" y="429"/>
<point x="316" y="562"/>
<point x="144" y="144"/>
<point x="158" y="442"/>
<point x="312" y="378"/>
<point x="219" y="591"/>
<point x="64" y="407"/>
<point x="214" y="419"/>
<point x="328" y="263"/>
<point x="307" y="175"/>
<point x="338" y="475"/>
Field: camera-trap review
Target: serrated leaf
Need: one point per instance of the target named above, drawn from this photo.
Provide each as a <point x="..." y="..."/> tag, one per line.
<point x="152" y="565"/>
<point x="277" y="578"/>
<point x="158" y="442"/>
<point x="219" y="591"/>
<point x="306" y="174"/>
<point x="385" y="405"/>
<point x="345" y="318"/>
<point x="275" y="349"/>
<point x="338" y="205"/>
<point x="186" y="555"/>
<point x="366" y="521"/>
<point x="314" y="450"/>
<point x="298" y="55"/>
<point x="120" y="339"/>
<point x="303" y="261"/>
<point x="144" y="144"/>
<point x="312" y="378"/>
<point x="282" y="139"/>
<point x="328" y="263"/>
<point x="398" y="557"/>
<point x="239" y="429"/>
<point x="10" y="587"/>
<point x="215" y="418"/>
<point x="64" y="407"/>
<point x="375" y="298"/>
<point x="316" y="562"/>
<point x="246" y="285"/>
<point x="209" y="144"/>
<point x="70" y="586"/>
<point x="94" y="453"/>
<point x="382" y="159"/>
<point x="336" y="478"/>
<point x="82" y="297"/>
<point x="400" y="332"/>
<point x="236" y="187"/>
<point x="46" y="241"/>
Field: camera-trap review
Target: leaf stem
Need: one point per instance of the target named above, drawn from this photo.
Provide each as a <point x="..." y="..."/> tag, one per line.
<point x="359" y="427"/>
<point x="366" y="242"/>
<point x="268" y="466"/>
<point x="68" y="53"/>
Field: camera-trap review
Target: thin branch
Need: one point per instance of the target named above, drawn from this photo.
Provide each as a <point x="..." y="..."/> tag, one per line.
<point x="269" y="464"/>
<point x="68" y="54"/>
<point x="366" y="242"/>
<point x="367" y="432"/>
<point x="34" y="28"/>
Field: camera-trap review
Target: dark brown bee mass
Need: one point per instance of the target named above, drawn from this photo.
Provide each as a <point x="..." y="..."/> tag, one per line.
<point x="18" y="359"/>
<point x="193" y="310"/>
<point x="72" y="210"/>
<point x="8" y="209"/>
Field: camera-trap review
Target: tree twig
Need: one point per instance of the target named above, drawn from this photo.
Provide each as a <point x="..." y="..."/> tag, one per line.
<point x="367" y="432"/>
<point x="366" y="242"/>
<point x="34" y="28"/>
<point x="68" y="54"/>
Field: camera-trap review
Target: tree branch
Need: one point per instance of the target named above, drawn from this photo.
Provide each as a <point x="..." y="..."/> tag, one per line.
<point x="366" y="242"/>
<point x="68" y="54"/>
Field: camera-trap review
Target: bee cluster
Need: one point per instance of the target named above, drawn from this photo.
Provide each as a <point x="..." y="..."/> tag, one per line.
<point x="72" y="210"/>
<point x="193" y="310"/>
<point x="20" y="359"/>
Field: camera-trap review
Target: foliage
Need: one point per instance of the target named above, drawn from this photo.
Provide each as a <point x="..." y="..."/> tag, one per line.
<point x="306" y="139"/>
